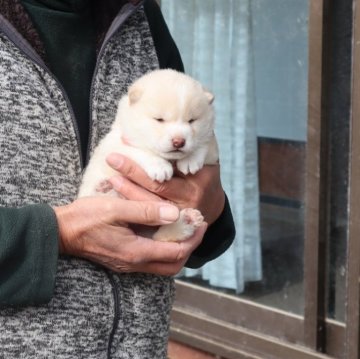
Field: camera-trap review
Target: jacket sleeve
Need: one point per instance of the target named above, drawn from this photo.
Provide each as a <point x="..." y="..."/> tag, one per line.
<point x="220" y="234"/>
<point x="218" y="238"/>
<point x="166" y="49"/>
<point x="28" y="255"/>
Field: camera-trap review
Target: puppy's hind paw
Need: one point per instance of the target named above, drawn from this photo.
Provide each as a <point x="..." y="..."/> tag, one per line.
<point x="190" y="219"/>
<point x="104" y="186"/>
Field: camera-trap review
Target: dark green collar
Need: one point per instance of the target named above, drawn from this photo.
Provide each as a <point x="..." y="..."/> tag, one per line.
<point x="60" y="5"/>
<point x="67" y="30"/>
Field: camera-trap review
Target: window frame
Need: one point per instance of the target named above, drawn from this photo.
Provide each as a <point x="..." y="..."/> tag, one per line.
<point x="210" y="321"/>
<point x="233" y="327"/>
<point x="352" y="334"/>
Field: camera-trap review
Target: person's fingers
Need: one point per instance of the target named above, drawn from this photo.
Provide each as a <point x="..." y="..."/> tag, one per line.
<point x="144" y="212"/>
<point x="138" y="254"/>
<point x="127" y="167"/>
<point x="132" y="191"/>
<point x="151" y="253"/>
<point x="183" y="190"/>
<point x="131" y="170"/>
<point x="113" y="210"/>
<point x="160" y="268"/>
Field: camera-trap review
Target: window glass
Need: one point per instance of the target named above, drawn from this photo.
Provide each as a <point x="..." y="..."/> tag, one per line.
<point x="253" y="55"/>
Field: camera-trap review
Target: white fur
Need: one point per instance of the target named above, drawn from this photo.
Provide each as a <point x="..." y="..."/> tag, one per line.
<point x="138" y="133"/>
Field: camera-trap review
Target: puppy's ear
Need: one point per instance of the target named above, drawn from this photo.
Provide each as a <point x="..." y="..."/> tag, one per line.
<point x="209" y="96"/>
<point x="134" y="93"/>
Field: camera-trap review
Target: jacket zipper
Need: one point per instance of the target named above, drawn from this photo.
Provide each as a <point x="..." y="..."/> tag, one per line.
<point x="116" y="312"/>
<point x="123" y="15"/>
<point x="14" y="36"/>
<point x="126" y="11"/>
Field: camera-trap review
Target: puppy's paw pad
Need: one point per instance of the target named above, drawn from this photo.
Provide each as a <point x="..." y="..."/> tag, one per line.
<point x="104" y="186"/>
<point x="192" y="217"/>
<point x="183" y="228"/>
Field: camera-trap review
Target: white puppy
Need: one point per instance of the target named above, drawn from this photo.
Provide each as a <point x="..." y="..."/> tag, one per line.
<point x="166" y="119"/>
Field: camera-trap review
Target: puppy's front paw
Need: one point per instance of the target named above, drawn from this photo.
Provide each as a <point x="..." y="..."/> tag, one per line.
<point x="190" y="219"/>
<point x="158" y="169"/>
<point x="189" y="165"/>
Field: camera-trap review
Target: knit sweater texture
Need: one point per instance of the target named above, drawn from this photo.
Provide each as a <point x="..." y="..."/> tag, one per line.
<point x="93" y="313"/>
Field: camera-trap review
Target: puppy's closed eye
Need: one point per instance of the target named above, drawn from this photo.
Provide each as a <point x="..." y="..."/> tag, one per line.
<point x="192" y="120"/>
<point x="159" y="119"/>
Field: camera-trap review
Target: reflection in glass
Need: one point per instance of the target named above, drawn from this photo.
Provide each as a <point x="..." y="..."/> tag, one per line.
<point x="253" y="55"/>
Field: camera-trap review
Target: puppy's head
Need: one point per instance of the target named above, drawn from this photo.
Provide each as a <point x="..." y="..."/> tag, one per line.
<point x="170" y="114"/>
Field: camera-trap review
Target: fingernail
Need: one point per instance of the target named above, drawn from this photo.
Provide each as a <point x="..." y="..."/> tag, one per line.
<point x="117" y="182"/>
<point x="115" y="160"/>
<point x="169" y="213"/>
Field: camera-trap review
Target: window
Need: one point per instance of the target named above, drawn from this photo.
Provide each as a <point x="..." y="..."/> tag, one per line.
<point x="285" y="81"/>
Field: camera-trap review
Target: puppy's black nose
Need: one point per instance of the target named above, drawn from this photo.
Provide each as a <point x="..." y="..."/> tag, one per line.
<point x="178" y="142"/>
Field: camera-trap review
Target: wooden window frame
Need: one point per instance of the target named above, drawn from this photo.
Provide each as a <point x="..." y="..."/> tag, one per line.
<point x="233" y="327"/>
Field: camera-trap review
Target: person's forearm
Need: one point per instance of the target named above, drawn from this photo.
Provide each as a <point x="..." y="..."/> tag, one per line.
<point x="28" y="255"/>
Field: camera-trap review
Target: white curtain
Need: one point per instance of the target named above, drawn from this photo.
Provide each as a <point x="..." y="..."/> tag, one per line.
<point x="214" y="39"/>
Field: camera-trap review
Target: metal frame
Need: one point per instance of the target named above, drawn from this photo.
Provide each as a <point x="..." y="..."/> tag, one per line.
<point x="316" y="198"/>
<point x="236" y="328"/>
<point x="352" y="350"/>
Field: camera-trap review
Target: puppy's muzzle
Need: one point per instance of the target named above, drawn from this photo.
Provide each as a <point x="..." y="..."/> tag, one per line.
<point x="178" y="142"/>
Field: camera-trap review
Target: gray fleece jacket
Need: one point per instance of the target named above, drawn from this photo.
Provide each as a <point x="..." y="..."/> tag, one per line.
<point x="93" y="313"/>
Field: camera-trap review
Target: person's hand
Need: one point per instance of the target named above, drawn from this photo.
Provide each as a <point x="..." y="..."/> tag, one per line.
<point x="95" y="228"/>
<point x="202" y="191"/>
